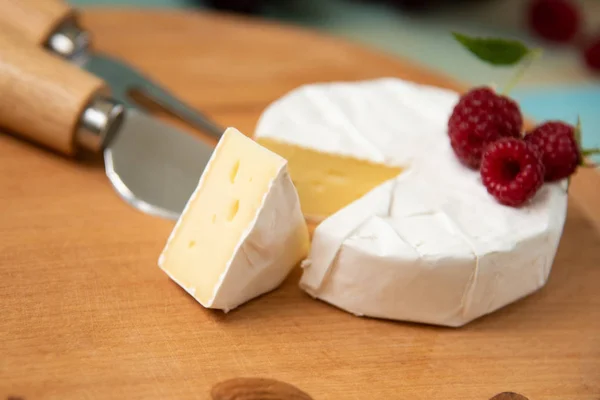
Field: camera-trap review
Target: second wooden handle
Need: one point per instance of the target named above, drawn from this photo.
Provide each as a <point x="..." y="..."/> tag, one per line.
<point x="42" y="96"/>
<point x="35" y="20"/>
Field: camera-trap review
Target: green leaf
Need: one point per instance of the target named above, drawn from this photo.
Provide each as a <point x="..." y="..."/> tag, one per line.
<point x="578" y="132"/>
<point x="495" y="51"/>
<point x="584" y="152"/>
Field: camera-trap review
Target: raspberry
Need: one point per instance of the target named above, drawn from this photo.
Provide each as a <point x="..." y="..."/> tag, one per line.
<point x="511" y="171"/>
<point x="555" y="20"/>
<point x="591" y="55"/>
<point x="558" y="148"/>
<point x="480" y="118"/>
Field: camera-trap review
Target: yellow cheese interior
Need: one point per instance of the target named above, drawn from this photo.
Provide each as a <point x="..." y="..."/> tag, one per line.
<point x="225" y="205"/>
<point x="326" y="182"/>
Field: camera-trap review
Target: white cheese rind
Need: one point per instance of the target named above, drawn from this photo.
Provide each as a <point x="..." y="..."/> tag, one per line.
<point x="333" y="117"/>
<point x="432" y="245"/>
<point x="268" y="251"/>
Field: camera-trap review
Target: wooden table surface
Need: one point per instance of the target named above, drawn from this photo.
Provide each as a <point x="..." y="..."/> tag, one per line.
<point x="85" y="313"/>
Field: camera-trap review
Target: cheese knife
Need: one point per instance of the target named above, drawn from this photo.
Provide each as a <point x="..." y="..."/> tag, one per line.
<point x="152" y="165"/>
<point x="54" y="25"/>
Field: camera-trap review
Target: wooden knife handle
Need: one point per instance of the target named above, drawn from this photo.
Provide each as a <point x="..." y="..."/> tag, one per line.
<point x="34" y="19"/>
<point x="42" y="96"/>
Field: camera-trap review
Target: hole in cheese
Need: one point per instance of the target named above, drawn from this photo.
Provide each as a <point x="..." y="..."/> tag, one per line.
<point x="234" y="171"/>
<point x="233" y="210"/>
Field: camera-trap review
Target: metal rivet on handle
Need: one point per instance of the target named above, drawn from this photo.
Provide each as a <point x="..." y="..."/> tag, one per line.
<point x="99" y="123"/>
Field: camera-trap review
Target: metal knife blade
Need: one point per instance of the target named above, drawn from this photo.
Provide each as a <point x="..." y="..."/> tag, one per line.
<point x="154" y="166"/>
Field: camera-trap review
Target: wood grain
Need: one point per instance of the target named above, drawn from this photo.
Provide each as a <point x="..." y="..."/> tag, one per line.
<point x="34" y="19"/>
<point x="42" y="97"/>
<point x="86" y="313"/>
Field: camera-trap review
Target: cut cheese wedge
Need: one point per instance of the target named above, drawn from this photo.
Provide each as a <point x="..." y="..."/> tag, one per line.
<point x="328" y="182"/>
<point x="242" y="231"/>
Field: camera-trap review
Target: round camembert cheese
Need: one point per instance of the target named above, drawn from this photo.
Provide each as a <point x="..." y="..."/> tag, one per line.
<point x="426" y="244"/>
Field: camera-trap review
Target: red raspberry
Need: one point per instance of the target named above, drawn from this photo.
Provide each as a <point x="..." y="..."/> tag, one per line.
<point x="556" y="20"/>
<point x="591" y="55"/>
<point x="480" y="118"/>
<point x="511" y="171"/>
<point x="555" y="142"/>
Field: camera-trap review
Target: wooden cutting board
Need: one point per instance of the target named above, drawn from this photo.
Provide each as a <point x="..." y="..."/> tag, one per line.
<point x="86" y="314"/>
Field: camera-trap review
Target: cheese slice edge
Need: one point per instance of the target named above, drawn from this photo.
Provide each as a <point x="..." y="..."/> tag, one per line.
<point x="242" y="230"/>
<point x="328" y="182"/>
